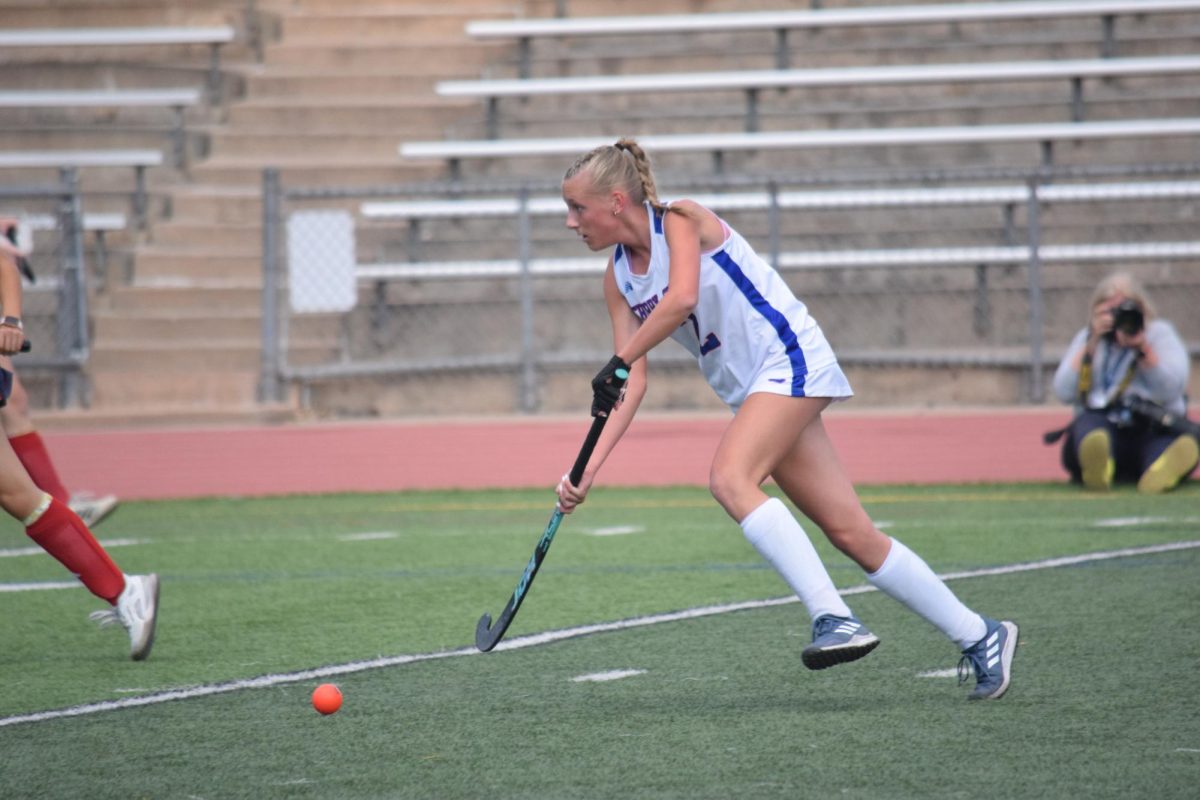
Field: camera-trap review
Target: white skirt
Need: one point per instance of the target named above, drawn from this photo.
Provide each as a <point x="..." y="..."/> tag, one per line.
<point x="827" y="381"/>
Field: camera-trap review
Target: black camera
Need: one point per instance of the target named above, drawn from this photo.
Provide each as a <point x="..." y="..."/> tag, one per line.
<point x="1128" y="318"/>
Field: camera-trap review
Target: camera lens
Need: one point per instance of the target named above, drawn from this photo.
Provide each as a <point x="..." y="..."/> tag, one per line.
<point x="1128" y="318"/>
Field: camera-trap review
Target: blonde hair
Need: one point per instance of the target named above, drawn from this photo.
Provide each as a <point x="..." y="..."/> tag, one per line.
<point x="1126" y="284"/>
<point x="622" y="166"/>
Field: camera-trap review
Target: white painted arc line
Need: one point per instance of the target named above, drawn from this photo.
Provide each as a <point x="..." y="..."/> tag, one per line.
<point x="521" y="642"/>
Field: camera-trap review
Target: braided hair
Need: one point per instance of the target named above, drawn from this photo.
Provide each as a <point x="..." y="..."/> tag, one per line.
<point x="624" y="166"/>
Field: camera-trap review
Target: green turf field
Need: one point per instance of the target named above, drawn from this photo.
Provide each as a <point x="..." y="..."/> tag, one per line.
<point x="341" y="588"/>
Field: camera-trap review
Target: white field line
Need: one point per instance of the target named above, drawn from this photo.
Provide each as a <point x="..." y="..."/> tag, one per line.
<point x="367" y="537"/>
<point x="35" y="587"/>
<point x="939" y="673"/>
<point x="533" y="640"/>
<point x="615" y="530"/>
<point x="1132" y="522"/>
<point x="13" y="552"/>
<point x="610" y="675"/>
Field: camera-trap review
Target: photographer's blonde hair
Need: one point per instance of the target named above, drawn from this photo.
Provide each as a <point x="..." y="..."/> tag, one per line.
<point x="1125" y="284"/>
<point x="624" y="166"/>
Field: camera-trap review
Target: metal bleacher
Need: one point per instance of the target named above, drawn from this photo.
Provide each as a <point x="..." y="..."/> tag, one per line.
<point x="1054" y="199"/>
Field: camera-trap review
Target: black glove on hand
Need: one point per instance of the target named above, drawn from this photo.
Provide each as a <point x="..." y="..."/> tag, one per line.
<point x="607" y="385"/>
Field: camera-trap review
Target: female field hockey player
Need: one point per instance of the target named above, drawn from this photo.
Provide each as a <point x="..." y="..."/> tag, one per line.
<point x="51" y="523"/>
<point x="23" y="435"/>
<point x="769" y="361"/>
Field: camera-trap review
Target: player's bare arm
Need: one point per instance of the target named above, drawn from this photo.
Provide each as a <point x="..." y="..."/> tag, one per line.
<point x="625" y="325"/>
<point x="683" y="237"/>
<point x="11" y="337"/>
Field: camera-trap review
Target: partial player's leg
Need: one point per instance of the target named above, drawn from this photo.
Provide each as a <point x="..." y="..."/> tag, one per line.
<point x="812" y="476"/>
<point x="31" y="449"/>
<point x="760" y="435"/>
<point x="61" y="533"/>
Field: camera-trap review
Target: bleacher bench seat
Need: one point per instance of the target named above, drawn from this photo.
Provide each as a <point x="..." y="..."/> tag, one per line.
<point x="804" y="260"/>
<point x="899" y="197"/>
<point x="214" y="36"/>
<point x="1044" y="134"/>
<point x="754" y="81"/>
<point x="525" y="30"/>
<point x="139" y="160"/>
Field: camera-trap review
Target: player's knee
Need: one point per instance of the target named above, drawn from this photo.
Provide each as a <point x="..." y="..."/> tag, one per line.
<point x="17" y="407"/>
<point x="727" y="488"/>
<point x="19" y="498"/>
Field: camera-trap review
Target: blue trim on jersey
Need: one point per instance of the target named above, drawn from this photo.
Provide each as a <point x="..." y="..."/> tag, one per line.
<point x="617" y="254"/>
<point x="772" y="315"/>
<point x="658" y="221"/>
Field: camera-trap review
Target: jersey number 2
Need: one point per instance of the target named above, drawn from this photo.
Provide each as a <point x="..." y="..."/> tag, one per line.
<point x="708" y="343"/>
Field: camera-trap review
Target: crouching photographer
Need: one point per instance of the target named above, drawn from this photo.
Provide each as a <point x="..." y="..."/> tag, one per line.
<point x="1126" y="374"/>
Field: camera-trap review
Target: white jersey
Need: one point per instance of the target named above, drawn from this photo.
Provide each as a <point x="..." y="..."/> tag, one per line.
<point x="748" y="331"/>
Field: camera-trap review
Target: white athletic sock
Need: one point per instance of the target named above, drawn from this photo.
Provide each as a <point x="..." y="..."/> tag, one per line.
<point x="778" y="538"/>
<point x="907" y="578"/>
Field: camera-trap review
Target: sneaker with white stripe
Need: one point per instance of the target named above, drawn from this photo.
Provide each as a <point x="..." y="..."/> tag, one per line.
<point x="136" y="611"/>
<point x="991" y="658"/>
<point x="837" y="640"/>
<point x="92" y="509"/>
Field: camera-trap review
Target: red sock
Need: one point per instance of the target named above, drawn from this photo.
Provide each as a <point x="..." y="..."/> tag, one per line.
<point x="62" y="534"/>
<point x="30" y="448"/>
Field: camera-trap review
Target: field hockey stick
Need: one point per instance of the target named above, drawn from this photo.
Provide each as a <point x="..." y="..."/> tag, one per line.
<point x="487" y="634"/>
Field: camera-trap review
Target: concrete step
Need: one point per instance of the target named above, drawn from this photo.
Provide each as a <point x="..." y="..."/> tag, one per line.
<point x="100" y="75"/>
<point x="183" y="297"/>
<point x="155" y="263"/>
<point x="427" y="57"/>
<point x="224" y="205"/>
<point x="346" y="171"/>
<point x="213" y="325"/>
<point x="172" y="359"/>
<point x="400" y="114"/>
<point x="170" y="327"/>
<point x="592" y="8"/>
<point x="94" y="180"/>
<point x="202" y="234"/>
<point x="267" y="146"/>
<point x="78" y="14"/>
<point x="115" y="389"/>
<point x="192" y="56"/>
<point x="204" y="206"/>
<point x="283" y="83"/>
<point x="397" y="26"/>
<point x="84" y="137"/>
<point x="467" y="7"/>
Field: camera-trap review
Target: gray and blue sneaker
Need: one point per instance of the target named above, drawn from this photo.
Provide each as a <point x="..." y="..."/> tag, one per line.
<point x="837" y="640"/>
<point x="991" y="657"/>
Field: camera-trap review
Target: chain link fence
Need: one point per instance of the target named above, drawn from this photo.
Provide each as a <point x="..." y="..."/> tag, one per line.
<point x="50" y="222"/>
<point x="933" y="287"/>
